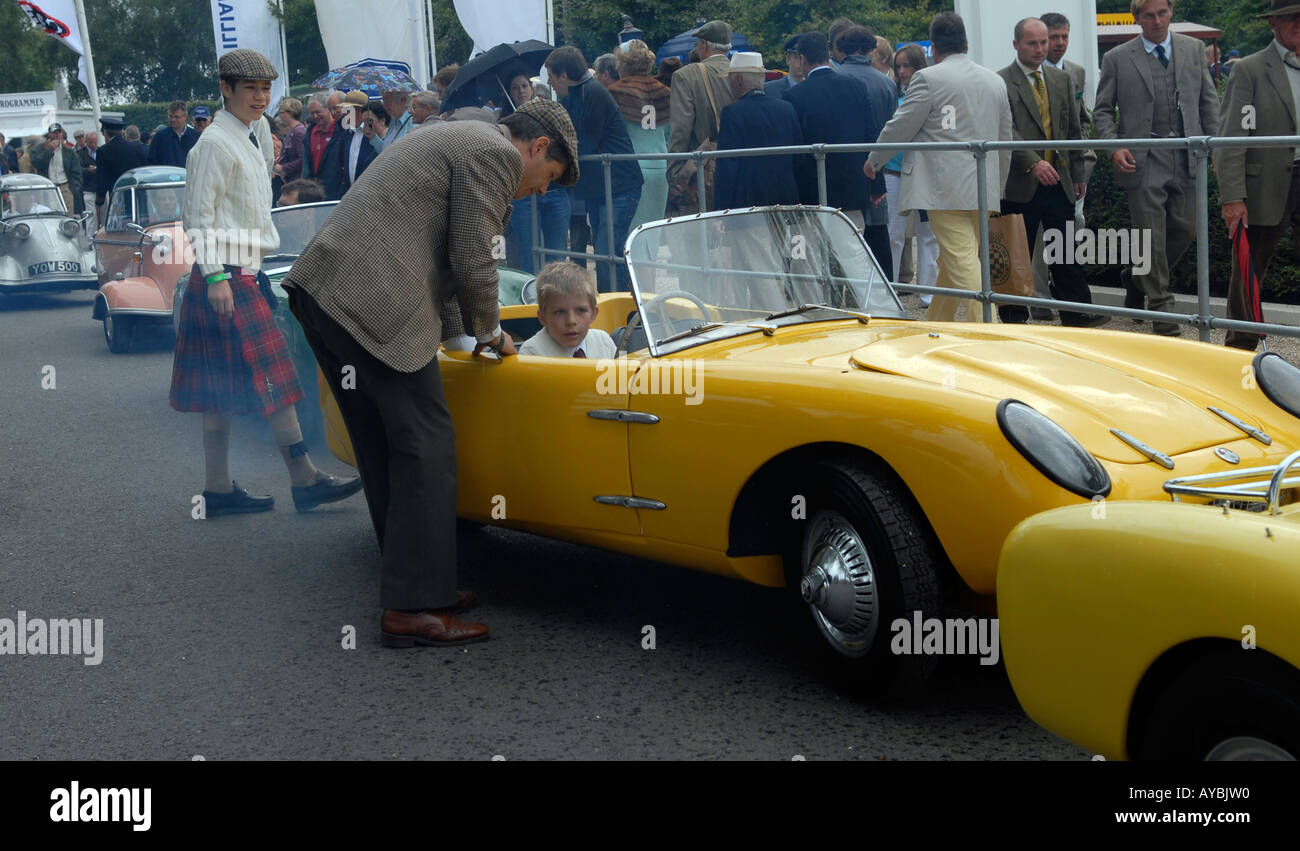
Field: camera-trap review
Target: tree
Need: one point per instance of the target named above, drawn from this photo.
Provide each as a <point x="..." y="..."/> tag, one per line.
<point x="152" y="50"/>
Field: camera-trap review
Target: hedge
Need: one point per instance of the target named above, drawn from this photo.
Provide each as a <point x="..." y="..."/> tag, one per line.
<point x="147" y="116"/>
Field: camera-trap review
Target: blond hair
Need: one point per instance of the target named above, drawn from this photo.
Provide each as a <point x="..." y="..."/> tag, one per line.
<point x="636" y="60"/>
<point x="563" y="278"/>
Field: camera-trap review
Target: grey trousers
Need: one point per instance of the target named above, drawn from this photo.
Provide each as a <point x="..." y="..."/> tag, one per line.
<point x="1164" y="204"/>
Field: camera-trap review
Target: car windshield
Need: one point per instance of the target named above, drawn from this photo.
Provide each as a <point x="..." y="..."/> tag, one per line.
<point x="31" y="202"/>
<point x="159" y="204"/>
<point x="717" y="275"/>
<point x="296" y="226"/>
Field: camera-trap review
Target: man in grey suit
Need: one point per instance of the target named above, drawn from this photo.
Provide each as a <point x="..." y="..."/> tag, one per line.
<point x="377" y="290"/>
<point x="953" y="100"/>
<point x="1260" y="187"/>
<point x="1043" y="184"/>
<point x="1162" y="89"/>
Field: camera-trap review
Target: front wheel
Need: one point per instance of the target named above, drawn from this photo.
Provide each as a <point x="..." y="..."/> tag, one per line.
<point x="117" y="332"/>
<point x="1236" y="705"/>
<point x="863" y="558"/>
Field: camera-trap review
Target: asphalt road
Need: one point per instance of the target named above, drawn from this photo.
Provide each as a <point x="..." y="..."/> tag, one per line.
<point x="223" y="638"/>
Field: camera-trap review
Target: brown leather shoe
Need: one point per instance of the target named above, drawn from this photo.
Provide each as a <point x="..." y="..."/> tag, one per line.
<point x="430" y="629"/>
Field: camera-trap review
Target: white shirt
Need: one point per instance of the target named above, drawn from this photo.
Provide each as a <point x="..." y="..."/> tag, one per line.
<point x="1028" y="72"/>
<point x="354" y="151"/>
<point x="1167" y="44"/>
<point x="227" y="207"/>
<point x="597" y="344"/>
<point x="57" y="174"/>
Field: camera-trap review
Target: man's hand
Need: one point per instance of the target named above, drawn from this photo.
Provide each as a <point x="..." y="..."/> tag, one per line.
<point x="868" y="170"/>
<point x="221" y="299"/>
<point x="1123" y="161"/>
<point x="876" y="199"/>
<point x="1045" y="173"/>
<point x="1080" y="190"/>
<point x="1235" y="212"/>
<point x="507" y="346"/>
<point x="51" y="144"/>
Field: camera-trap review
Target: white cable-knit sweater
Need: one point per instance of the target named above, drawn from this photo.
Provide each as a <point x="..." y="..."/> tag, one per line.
<point x="227" y="210"/>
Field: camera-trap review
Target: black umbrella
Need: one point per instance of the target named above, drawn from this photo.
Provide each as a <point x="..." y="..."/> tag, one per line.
<point x="480" y="78"/>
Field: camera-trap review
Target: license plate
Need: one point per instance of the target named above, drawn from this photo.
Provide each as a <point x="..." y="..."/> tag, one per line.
<point x="51" y="266"/>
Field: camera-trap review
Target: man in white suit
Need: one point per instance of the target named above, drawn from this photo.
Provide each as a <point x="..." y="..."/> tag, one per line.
<point x="954" y="100"/>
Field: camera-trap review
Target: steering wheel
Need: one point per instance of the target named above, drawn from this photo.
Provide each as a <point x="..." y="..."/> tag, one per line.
<point x="660" y="304"/>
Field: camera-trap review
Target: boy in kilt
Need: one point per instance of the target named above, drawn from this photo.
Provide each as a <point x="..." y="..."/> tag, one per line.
<point x="230" y="357"/>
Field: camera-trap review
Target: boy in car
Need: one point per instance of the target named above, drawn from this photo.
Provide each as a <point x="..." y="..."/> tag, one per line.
<point x="566" y="307"/>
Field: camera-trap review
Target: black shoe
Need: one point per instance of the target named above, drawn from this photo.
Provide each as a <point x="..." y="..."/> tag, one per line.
<point x="236" y="502"/>
<point x="1167" y="329"/>
<point x="327" y="489"/>
<point x="1042" y="314"/>
<point x="1084" y="320"/>
<point x="1134" y="299"/>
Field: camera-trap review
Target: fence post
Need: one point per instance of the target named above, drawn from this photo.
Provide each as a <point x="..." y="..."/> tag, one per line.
<point x="609" y="222"/>
<point x="532" y="227"/>
<point x="701" y="186"/>
<point x="821" y="176"/>
<point x="982" y="192"/>
<point x="1201" y="151"/>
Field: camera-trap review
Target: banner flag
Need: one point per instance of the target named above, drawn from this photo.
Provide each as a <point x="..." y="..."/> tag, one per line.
<point x="59" y="19"/>
<point x="250" y="24"/>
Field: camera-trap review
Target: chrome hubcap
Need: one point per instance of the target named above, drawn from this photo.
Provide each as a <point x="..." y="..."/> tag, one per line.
<point x="1248" y="749"/>
<point x="839" y="584"/>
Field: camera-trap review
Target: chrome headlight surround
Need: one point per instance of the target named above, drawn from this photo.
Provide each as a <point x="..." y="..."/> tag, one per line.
<point x="70" y="228"/>
<point x="1052" y="450"/>
<point x="1280" y="381"/>
<point x="22" y="230"/>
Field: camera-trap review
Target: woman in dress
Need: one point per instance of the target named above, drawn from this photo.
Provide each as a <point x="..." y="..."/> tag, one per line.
<point x="643" y="100"/>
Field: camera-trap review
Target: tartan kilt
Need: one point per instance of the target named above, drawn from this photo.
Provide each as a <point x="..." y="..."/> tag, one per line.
<point x="235" y="364"/>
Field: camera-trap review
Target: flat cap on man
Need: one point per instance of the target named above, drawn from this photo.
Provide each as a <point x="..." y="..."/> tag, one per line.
<point x="717" y="32"/>
<point x="559" y="127"/>
<point x="245" y="64"/>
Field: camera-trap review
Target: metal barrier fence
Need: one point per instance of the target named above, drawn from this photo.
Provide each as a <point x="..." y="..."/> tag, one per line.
<point x="1199" y="149"/>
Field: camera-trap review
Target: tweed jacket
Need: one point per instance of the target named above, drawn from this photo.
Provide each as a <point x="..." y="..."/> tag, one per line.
<point x="41" y="157"/>
<point x="1079" y="77"/>
<point x="1028" y="126"/>
<point x="400" y="277"/>
<point x="1258" y="176"/>
<point x="952" y="101"/>
<point x="1126" y="85"/>
<point x="693" y="119"/>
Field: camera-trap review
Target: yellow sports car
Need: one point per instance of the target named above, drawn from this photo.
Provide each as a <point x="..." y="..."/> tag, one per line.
<point x="1150" y="630"/>
<point x="779" y="419"/>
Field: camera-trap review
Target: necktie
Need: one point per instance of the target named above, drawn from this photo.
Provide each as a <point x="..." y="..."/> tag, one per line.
<point x="1160" y="54"/>
<point x="1044" y="112"/>
<point x="253" y="138"/>
<point x="579" y="353"/>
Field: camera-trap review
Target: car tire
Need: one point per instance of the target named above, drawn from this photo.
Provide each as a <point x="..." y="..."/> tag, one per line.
<point x="863" y="557"/>
<point x="117" y="332"/>
<point x="1233" y="705"/>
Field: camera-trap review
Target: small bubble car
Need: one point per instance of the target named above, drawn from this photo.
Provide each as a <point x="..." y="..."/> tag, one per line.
<point x="141" y="252"/>
<point x="43" y="249"/>
<point x="1163" y="630"/>
<point x="775" y="416"/>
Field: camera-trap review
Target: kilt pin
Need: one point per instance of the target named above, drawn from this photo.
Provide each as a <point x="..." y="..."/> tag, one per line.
<point x="235" y="364"/>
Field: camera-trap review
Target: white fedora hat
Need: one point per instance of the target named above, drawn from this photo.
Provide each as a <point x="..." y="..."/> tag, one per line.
<point x="746" y="63"/>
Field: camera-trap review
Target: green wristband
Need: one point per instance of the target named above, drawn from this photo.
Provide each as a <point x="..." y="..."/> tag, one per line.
<point x="217" y="277"/>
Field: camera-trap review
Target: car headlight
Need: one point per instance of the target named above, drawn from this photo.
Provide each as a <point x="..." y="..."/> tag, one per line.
<point x="1279" y="380"/>
<point x="22" y="230"/>
<point x="70" y="228"/>
<point x="1053" y="450"/>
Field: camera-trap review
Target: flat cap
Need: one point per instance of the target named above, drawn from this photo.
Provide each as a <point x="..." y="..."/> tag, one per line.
<point x="555" y="119"/>
<point x="356" y="97"/>
<point x="245" y="64"/>
<point x="718" y="32"/>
